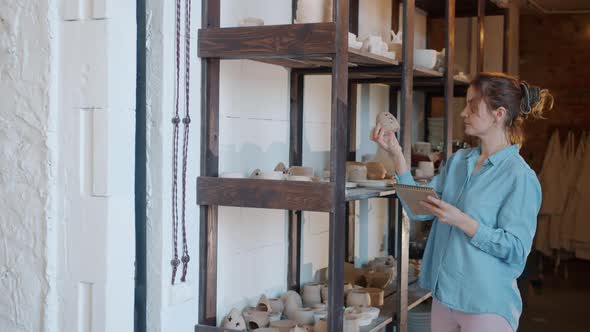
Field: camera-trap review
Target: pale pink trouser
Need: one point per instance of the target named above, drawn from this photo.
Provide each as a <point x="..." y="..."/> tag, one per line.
<point x="444" y="319"/>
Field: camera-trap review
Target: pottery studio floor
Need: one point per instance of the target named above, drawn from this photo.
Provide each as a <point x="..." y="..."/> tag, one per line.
<point x="560" y="305"/>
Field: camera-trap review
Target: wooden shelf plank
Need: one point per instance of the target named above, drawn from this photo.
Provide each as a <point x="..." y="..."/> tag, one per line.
<point x="417" y="295"/>
<point x="267" y="41"/>
<point x="377" y="324"/>
<point x="268" y="194"/>
<point x="356" y="194"/>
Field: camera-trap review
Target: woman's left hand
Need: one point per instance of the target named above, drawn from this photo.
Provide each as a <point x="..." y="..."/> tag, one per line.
<point x="450" y="215"/>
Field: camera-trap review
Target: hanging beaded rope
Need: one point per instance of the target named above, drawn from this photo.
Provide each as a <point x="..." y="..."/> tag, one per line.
<point x="186" y="121"/>
<point x="175" y="262"/>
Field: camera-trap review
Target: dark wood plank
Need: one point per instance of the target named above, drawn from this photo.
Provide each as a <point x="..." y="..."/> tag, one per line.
<point x="448" y="78"/>
<point x="211" y="16"/>
<point x="407" y="80"/>
<point x="395" y="15"/>
<point x="294" y="247"/>
<point x="506" y="40"/>
<point x="296" y="118"/>
<point x="268" y="194"/>
<point x="350" y="216"/>
<point x="481" y="34"/>
<point x="354" y="17"/>
<point x="267" y="41"/>
<point x="338" y="135"/>
<point x="295" y="159"/>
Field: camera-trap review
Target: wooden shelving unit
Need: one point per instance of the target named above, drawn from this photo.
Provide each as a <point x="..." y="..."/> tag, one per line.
<point x="319" y="49"/>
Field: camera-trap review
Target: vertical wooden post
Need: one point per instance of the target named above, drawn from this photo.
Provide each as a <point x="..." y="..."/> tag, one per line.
<point x="427" y="114"/>
<point x="295" y="159"/>
<point x="354" y="17"/>
<point x="481" y="15"/>
<point x="448" y="78"/>
<point x="402" y="232"/>
<point x="395" y="16"/>
<point x="407" y="79"/>
<point x="337" y="166"/>
<point x="209" y="167"/>
<point x="506" y="41"/>
<point x="351" y="149"/>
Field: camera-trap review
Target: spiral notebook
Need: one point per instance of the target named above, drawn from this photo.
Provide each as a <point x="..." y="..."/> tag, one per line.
<point x="413" y="195"/>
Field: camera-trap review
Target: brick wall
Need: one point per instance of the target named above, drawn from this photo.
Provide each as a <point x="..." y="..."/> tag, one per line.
<point x="555" y="54"/>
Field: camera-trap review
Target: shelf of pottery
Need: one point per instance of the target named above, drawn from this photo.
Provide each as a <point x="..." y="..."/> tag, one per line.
<point x="368" y="296"/>
<point x="315" y="53"/>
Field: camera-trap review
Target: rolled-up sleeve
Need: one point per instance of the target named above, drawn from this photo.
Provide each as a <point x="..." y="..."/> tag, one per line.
<point x="511" y="241"/>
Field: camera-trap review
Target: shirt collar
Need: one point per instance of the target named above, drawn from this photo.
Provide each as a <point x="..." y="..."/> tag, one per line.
<point x="497" y="157"/>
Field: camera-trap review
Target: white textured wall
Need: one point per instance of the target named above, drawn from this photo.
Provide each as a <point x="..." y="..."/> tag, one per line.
<point x="169" y="308"/>
<point x="67" y="101"/>
<point x="96" y="176"/>
<point x="27" y="165"/>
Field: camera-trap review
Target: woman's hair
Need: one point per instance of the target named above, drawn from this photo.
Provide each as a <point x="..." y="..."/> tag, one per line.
<point x="520" y="100"/>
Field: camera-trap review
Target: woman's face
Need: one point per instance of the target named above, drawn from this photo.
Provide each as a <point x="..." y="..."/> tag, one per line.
<point x="477" y="119"/>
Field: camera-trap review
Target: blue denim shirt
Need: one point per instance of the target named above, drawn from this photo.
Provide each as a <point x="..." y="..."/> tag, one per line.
<point x="478" y="275"/>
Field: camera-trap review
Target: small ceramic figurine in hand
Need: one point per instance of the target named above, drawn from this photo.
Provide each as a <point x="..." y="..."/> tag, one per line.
<point x="389" y="126"/>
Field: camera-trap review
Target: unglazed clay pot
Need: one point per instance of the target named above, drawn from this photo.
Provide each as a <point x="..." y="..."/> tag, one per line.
<point x="283" y="325"/>
<point x="358" y="297"/>
<point x="321" y="326"/>
<point x="313" y="11"/>
<point x="256" y="319"/>
<point x="376" y="295"/>
<point x="388" y="122"/>
<point x="355" y="171"/>
<point x="312" y="294"/>
<point x="299" y="328"/>
<point x="351" y="323"/>
<point x="276" y="305"/>
<point x="375" y="171"/>
<point x="234" y="321"/>
<point x="266" y="329"/>
<point x="304" y="316"/>
<point x="292" y="301"/>
<point x="263" y="304"/>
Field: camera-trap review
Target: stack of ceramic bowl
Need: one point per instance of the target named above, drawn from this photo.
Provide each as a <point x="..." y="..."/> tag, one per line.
<point x="419" y="318"/>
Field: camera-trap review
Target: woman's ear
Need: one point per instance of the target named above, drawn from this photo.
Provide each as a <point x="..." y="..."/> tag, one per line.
<point x="500" y="114"/>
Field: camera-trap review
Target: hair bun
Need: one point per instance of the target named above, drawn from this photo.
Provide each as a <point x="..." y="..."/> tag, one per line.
<point x="531" y="95"/>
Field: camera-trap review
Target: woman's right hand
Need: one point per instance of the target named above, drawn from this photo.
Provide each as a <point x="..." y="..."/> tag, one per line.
<point x="386" y="140"/>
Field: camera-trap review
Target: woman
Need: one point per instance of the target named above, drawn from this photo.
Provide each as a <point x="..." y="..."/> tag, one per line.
<point x="486" y="218"/>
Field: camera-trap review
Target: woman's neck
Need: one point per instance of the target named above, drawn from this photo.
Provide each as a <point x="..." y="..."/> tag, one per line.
<point x="493" y="143"/>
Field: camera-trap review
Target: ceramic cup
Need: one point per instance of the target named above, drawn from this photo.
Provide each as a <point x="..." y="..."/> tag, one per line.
<point x="304" y="316"/>
<point x="358" y="297"/>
